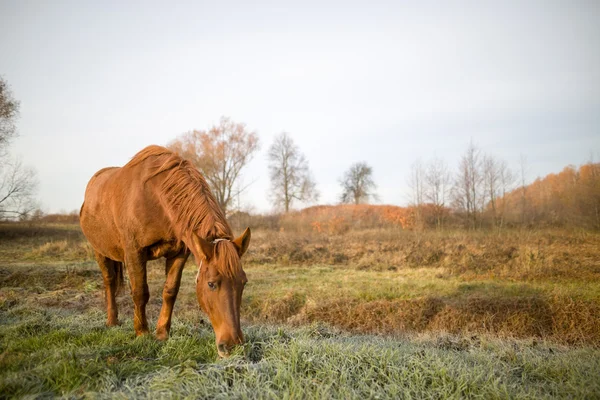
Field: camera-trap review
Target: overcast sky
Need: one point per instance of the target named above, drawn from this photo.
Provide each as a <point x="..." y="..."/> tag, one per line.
<point x="381" y="82"/>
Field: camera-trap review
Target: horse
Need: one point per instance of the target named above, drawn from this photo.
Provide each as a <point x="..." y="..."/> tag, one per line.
<point x="159" y="205"/>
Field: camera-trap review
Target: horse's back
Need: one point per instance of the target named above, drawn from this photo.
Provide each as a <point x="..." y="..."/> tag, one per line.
<point x="120" y="210"/>
<point x="96" y="216"/>
<point x="96" y="190"/>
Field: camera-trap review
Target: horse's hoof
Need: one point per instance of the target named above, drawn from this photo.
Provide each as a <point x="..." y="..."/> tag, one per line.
<point x="162" y="336"/>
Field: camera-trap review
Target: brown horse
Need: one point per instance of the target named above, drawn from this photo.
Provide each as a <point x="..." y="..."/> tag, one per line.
<point x="159" y="205"/>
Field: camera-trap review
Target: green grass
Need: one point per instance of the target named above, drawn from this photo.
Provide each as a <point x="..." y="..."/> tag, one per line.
<point x="53" y="352"/>
<point x="53" y="342"/>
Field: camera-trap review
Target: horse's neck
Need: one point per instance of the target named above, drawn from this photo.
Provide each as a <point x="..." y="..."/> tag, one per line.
<point x="192" y="210"/>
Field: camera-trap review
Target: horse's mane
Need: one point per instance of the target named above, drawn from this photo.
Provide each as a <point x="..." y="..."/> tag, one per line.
<point x="228" y="259"/>
<point x="188" y="200"/>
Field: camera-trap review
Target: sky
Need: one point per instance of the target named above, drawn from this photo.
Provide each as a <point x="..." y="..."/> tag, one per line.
<point x="382" y="82"/>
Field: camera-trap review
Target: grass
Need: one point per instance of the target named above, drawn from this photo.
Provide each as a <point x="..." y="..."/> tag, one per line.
<point x="352" y="316"/>
<point x="422" y="300"/>
<point x="56" y="352"/>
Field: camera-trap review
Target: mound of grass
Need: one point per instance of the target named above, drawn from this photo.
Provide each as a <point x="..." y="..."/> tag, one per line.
<point x="422" y="300"/>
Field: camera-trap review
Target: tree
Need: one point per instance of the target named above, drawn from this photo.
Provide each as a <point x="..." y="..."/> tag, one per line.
<point x="491" y="183"/>
<point x="9" y="111"/>
<point x="568" y="198"/>
<point x="17" y="188"/>
<point x="220" y="154"/>
<point x="523" y="177"/>
<point x="17" y="183"/>
<point x="467" y="192"/>
<point x="291" y="179"/>
<point x="589" y="198"/>
<point x="507" y="179"/>
<point x="358" y="185"/>
<point x="416" y="183"/>
<point x="437" y="181"/>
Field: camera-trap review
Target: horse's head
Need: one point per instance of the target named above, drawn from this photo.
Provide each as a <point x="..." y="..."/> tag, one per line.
<point x="219" y="286"/>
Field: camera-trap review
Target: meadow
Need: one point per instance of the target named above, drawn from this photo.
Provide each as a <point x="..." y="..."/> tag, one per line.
<point x="369" y="313"/>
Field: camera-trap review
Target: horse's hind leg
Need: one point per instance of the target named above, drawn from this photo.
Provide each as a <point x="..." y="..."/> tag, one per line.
<point x="112" y="274"/>
<point x="174" y="269"/>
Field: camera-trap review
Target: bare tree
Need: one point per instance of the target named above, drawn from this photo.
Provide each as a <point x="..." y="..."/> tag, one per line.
<point x="18" y="185"/>
<point x="220" y="154"/>
<point x="357" y="184"/>
<point x="523" y="177"/>
<point x="9" y="111"/>
<point x="437" y="187"/>
<point x="467" y="192"/>
<point x="491" y="183"/>
<point x="416" y="183"/>
<point x="507" y="180"/>
<point x="291" y="179"/>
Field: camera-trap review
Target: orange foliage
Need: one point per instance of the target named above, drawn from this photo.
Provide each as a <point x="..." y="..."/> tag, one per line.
<point x="570" y="197"/>
<point x="341" y="218"/>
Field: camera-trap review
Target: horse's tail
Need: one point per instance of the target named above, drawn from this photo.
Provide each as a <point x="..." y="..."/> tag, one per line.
<point x="119" y="276"/>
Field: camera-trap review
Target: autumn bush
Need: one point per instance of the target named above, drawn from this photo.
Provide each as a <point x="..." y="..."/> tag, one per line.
<point x="339" y="219"/>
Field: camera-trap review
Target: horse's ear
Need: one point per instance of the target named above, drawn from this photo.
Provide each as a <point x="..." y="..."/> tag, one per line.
<point x="203" y="247"/>
<point x="243" y="242"/>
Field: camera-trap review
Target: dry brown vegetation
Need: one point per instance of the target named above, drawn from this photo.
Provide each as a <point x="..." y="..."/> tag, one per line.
<point x="510" y="283"/>
<point x="512" y="255"/>
<point x="516" y="283"/>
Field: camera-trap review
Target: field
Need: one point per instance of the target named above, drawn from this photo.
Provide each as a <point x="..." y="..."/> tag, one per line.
<point x="361" y="314"/>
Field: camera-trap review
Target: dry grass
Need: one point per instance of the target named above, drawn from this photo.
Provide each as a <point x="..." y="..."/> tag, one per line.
<point x="63" y="249"/>
<point x="515" y="255"/>
<point x="522" y="317"/>
<point x="542" y="284"/>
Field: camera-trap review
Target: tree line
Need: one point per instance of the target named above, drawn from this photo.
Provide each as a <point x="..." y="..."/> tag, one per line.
<point x="482" y="191"/>
<point x="222" y="151"/>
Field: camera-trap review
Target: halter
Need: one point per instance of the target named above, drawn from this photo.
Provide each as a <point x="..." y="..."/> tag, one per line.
<point x="213" y="242"/>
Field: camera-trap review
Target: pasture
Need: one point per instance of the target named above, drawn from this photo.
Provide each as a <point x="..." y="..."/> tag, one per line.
<point x="363" y="314"/>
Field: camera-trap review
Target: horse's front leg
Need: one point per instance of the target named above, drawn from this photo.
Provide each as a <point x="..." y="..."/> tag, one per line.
<point x="174" y="269"/>
<point x="136" y="269"/>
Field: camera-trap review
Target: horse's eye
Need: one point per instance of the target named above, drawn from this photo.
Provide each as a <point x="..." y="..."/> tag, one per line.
<point x="212" y="285"/>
